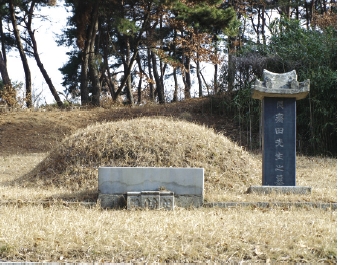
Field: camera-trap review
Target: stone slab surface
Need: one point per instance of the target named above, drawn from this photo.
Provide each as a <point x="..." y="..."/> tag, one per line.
<point x="120" y="180"/>
<point x="279" y="189"/>
<point x="279" y="142"/>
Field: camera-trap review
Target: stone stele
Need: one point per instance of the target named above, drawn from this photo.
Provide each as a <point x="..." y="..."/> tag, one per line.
<point x="278" y="93"/>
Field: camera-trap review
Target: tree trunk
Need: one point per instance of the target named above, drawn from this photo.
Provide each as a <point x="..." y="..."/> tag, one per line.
<point x="8" y="93"/>
<point x="3" y="70"/>
<point x="93" y="72"/>
<point x="258" y="41"/>
<point x="141" y="73"/>
<point x="263" y="25"/>
<point x="309" y="6"/>
<point x="151" y="85"/>
<point x="198" y="70"/>
<point x="130" y="96"/>
<point x="127" y="72"/>
<point x="10" y="96"/>
<point x="175" y="98"/>
<point x="3" y="46"/>
<point x="126" y="64"/>
<point x="205" y="83"/>
<point x="109" y="79"/>
<point x="37" y="57"/>
<point x="94" y="78"/>
<point x="231" y="65"/>
<point x="159" y="87"/>
<point x="216" y="87"/>
<point x="231" y="71"/>
<point x="187" y="83"/>
<point x="162" y="68"/>
<point x="24" y="61"/>
<point x="84" y="77"/>
<point x="90" y="38"/>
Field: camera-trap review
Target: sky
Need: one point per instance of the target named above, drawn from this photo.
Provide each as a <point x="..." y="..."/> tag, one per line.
<point x="52" y="56"/>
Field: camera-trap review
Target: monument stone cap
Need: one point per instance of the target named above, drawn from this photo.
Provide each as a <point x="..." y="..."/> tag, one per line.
<point x="280" y="85"/>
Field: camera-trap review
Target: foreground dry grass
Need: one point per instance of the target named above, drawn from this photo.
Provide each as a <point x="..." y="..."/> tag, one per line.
<point x="58" y="233"/>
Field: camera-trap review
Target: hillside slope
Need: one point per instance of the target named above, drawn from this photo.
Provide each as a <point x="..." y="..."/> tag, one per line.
<point x="35" y="132"/>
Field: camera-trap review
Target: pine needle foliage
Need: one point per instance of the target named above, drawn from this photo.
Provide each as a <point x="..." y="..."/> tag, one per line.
<point x="143" y="142"/>
<point x="206" y="15"/>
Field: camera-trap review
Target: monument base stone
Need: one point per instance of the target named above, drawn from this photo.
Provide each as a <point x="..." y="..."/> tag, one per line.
<point x="280" y="189"/>
<point x="110" y="201"/>
<point x="120" y="201"/>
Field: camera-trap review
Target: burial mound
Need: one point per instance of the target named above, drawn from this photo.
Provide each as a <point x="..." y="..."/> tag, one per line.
<point x="148" y="142"/>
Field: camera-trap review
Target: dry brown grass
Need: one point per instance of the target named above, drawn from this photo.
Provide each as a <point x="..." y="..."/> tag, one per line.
<point x="58" y="232"/>
<point x="13" y="167"/>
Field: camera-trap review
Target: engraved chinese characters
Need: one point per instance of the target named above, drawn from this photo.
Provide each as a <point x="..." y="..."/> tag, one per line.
<point x="279" y="141"/>
<point x="279" y="120"/>
<point x="279" y="156"/>
<point x="150" y="200"/>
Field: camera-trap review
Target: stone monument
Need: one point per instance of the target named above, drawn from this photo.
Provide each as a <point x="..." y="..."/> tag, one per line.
<point x="278" y="93"/>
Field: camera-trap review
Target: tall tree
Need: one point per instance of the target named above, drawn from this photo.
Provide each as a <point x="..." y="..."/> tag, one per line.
<point x="85" y="18"/>
<point x="92" y="62"/>
<point x="23" y="57"/>
<point x="3" y="59"/>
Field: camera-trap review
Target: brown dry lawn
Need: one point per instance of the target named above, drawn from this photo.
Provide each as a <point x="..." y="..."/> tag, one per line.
<point x="32" y="231"/>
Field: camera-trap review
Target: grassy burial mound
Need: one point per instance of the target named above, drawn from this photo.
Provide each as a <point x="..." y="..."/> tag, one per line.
<point x="151" y="142"/>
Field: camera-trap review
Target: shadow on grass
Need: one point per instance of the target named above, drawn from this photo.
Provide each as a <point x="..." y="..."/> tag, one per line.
<point x="78" y="196"/>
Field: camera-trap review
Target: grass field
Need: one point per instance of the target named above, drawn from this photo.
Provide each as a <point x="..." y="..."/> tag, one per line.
<point x="74" y="234"/>
<point x="61" y="232"/>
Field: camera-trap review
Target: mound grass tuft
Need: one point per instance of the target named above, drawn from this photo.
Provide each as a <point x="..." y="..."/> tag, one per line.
<point x="148" y="142"/>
